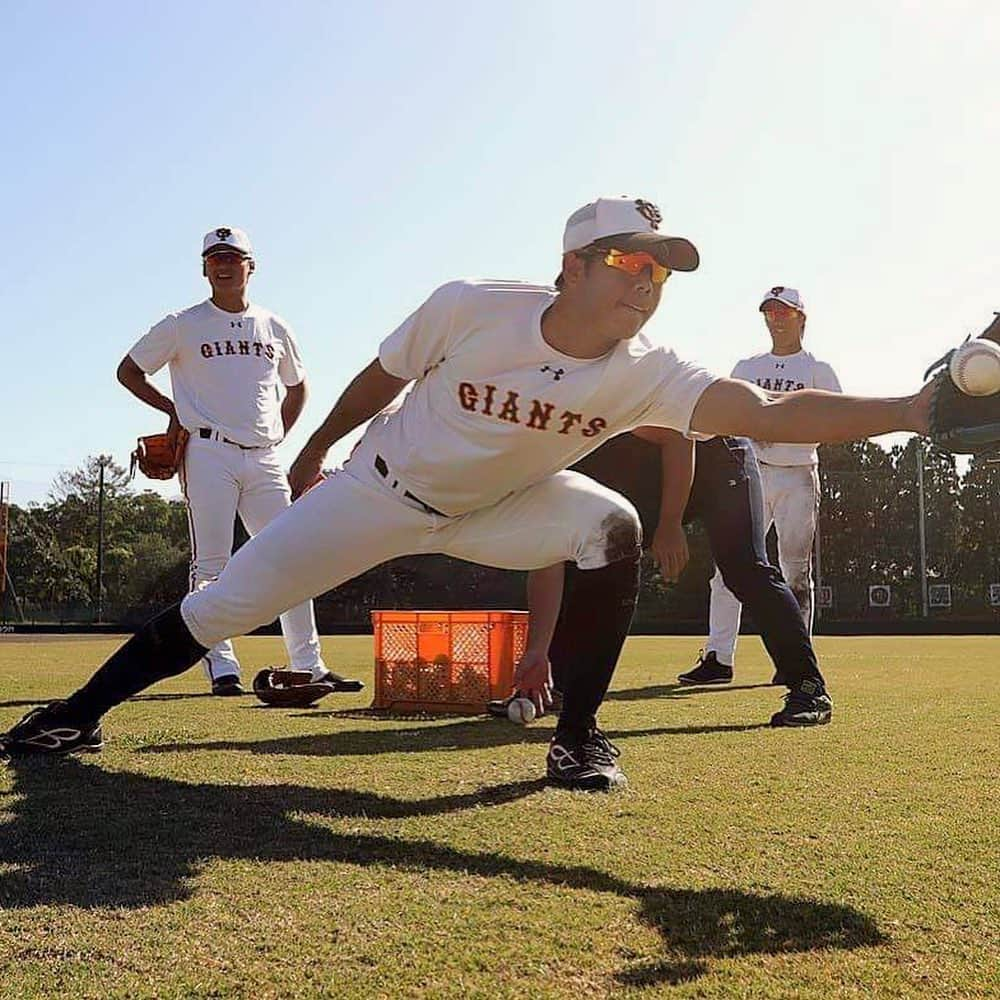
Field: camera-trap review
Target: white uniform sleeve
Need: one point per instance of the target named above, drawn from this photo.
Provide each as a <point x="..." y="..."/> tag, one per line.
<point x="157" y="347"/>
<point x="422" y="340"/>
<point x="673" y="400"/>
<point x="826" y="378"/>
<point x="739" y="372"/>
<point x="291" y="371"/>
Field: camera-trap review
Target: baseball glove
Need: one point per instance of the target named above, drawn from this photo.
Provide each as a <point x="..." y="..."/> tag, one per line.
<point x="968" y="425"/>
<point x="157" y="456"/>
<point x="282" y="687"/>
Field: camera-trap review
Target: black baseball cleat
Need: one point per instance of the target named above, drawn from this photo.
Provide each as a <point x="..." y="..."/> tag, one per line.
<point x="340" y="683"/>
<point x="806" y="704"/>
<point x="51" y="729"/>
<point x="587" y="761"/>
<point x="228" y="686"/>
<point x="707" y="670"/>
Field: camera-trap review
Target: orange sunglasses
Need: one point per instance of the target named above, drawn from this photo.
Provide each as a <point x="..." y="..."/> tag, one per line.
<point x="633" y="262"/>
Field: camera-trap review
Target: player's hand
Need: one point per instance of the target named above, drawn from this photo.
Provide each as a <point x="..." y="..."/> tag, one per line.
<point x="305" y="472"/>
<point x="533" y="679"/>
<point x="670" y="550"/>
<point x="173" y="430"/>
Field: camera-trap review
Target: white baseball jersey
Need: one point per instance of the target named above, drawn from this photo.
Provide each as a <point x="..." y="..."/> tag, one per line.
<point x="225" y="369"/>
<point x="495" y="408"/>
<point x="481" y="438"/>
<point x="786" y="373"/>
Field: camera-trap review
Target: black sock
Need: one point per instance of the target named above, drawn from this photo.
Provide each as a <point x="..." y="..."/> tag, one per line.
<point x="593" y="624"/>
<point x="163" y="647"/>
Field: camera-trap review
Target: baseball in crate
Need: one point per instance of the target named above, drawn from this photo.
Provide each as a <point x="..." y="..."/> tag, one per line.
<point x="445" y="661"/>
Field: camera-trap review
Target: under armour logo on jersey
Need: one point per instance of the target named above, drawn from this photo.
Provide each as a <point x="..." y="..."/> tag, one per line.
<point x="649" y="212"/>
<point x="557" y="373"/>
<point x="236" y="322"/>
<point x="779" y="364"/>
<point x="224" y="233"/>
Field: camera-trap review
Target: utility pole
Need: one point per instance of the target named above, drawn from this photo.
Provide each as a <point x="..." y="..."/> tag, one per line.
<point x="923" y="531"/>
<point x="100" y="541"/>
<point x="4" y="506"/>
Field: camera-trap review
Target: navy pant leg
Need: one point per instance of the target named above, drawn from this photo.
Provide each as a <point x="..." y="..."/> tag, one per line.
<point x="726" y="495"/>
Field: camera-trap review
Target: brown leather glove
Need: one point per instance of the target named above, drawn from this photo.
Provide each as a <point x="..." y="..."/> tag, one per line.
<point x="967" y="425"/>
<point x="285" y="688"/>
<point x="159" y="456"/>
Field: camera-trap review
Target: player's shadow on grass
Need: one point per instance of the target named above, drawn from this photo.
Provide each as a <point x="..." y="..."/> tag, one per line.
<point x="464" y="736"/>
<point x="676" y="691"/>
<point x="90" y="838"/>
<point x="179" y="696"/>
<point x="626" y="694"/>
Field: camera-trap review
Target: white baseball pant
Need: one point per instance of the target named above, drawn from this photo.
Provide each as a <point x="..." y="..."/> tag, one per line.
<point x="219" y="480"/>
<point x="791" y="504"/>
<point x="355" y="521"/>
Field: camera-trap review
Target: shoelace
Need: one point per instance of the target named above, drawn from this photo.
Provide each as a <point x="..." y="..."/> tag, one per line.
<point x="598" y="749"/>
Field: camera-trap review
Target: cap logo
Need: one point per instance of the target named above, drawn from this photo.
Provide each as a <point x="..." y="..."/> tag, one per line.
<point x="777" y="290"/>
<point x="224" y="233"/>
<point x="649" y="212"/>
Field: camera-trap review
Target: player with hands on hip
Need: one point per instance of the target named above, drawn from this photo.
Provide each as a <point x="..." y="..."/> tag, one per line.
<point x="238" y="388"/>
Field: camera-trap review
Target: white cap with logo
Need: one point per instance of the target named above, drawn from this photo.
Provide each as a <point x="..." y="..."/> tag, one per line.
<point x="226" y="240"/>
<point x="627" y="224"/>
<point x="781" y="293"/>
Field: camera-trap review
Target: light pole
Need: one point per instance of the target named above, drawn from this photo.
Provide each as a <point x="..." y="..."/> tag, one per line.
<point x="100" y="541"/>
<point x="923" y="531"/>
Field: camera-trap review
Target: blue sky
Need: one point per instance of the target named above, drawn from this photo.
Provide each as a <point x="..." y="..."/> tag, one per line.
<point x="375" y="151"/>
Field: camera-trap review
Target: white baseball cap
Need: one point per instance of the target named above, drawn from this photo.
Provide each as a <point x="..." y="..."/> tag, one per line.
<point x="790" y="296"/>
<point x="225" y="238"/>
<point x="627" y="224"/>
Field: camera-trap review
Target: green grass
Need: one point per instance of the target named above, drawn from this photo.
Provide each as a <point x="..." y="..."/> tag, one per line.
<point x="218" y="849"/>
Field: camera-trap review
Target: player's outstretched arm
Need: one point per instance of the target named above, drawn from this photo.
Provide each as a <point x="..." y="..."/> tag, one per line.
<point x="371" y="391"/>
<point x="730" y="406"/>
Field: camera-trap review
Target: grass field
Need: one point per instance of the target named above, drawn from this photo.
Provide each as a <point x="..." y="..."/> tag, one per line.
<point x="219" y="849"/>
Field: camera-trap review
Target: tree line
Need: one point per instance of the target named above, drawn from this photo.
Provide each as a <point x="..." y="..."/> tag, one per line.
<point x="869" y="535"/>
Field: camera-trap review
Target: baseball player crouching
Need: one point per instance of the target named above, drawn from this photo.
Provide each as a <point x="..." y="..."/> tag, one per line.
<point x="509" y="384"/>
<point x="789" y="479"/>
<point x="230" y="361"/>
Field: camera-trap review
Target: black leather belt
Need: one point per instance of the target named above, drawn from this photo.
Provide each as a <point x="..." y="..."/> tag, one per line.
<point x="207" y="432"/>
<point x="383" y="470"/>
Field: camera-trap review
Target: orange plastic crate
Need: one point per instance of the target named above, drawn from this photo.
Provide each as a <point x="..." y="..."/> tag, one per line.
<point x="445" y="661"/>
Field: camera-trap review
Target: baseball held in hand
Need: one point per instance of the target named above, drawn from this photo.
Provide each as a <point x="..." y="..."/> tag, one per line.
<point x="521" y="710"/>
<point x="975" y="368"/>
